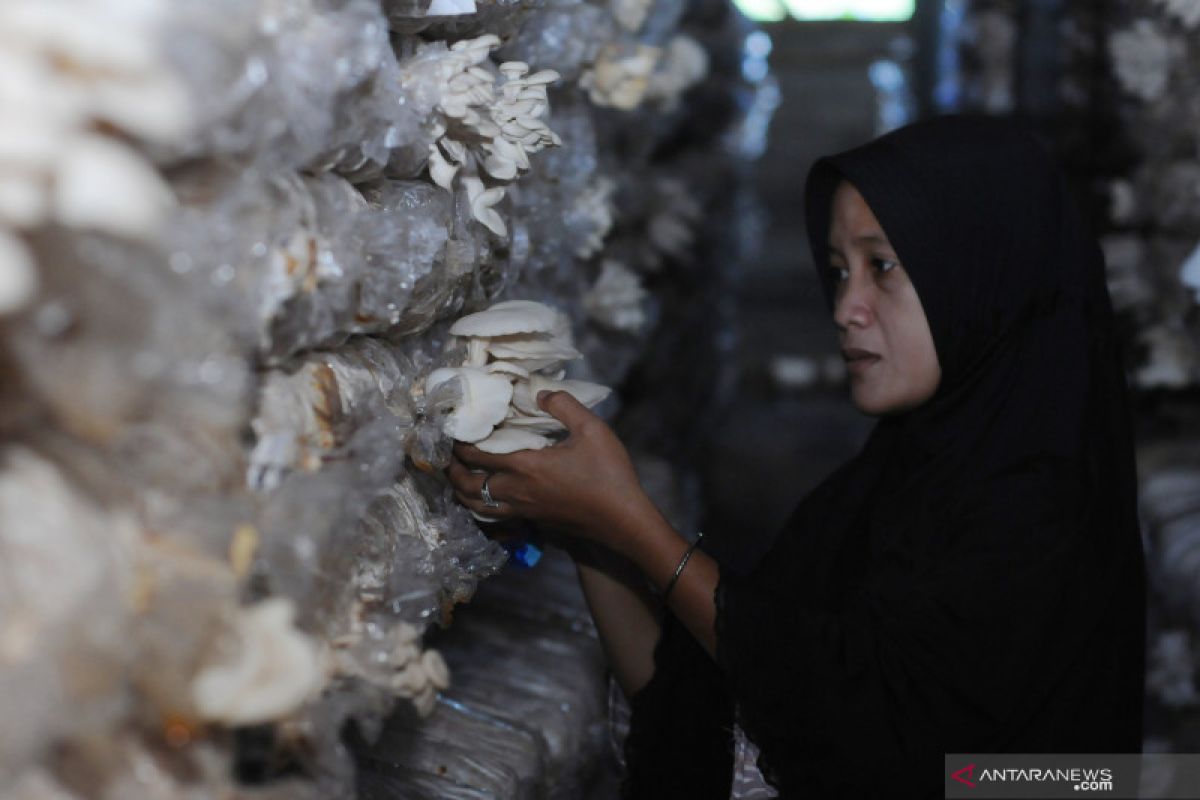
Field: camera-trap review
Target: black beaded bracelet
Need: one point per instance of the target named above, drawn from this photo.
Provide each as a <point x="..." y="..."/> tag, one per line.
<point x="682" y="563"/>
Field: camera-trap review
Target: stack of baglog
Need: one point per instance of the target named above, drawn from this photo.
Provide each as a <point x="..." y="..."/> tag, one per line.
<point x="1127" y="127"/>
<point x="1153" y="253"/>
<point x="233" y="238"/>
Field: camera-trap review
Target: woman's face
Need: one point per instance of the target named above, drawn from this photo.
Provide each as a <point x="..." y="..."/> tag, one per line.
<point x="876" y="310"/>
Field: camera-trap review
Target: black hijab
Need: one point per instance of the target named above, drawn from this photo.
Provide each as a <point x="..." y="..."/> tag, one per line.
<point x="972" y="581"/>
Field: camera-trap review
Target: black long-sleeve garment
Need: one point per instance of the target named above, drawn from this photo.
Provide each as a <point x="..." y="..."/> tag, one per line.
<point x="972" y="581"/>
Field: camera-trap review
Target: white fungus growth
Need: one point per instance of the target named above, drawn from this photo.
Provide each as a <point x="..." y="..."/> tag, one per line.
<point x="617" y="299"/>
<point x="519" y="347"/>
<point x="1186" y="11"/>
<point x="1189" y="274"/>
<point x="1142" y="58"/>
<point x="271" y="672"/>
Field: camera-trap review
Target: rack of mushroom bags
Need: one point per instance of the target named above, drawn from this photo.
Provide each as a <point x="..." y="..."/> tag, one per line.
<point x="1152" y="247"/>
<point x="1127" y="125"/>
<point x="235" y="237"/>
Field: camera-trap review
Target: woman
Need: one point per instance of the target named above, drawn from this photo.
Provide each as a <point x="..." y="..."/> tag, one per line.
<point x="971" y="582"/>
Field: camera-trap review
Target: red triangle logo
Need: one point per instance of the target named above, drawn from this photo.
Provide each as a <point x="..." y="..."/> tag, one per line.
<point x="969" y="769"/>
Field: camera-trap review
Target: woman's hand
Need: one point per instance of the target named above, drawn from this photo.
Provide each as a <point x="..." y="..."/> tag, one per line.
<point x="585" y="484"/>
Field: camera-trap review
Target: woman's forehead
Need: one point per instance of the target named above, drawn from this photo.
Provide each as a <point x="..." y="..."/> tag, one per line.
<point x="853" y="218"/>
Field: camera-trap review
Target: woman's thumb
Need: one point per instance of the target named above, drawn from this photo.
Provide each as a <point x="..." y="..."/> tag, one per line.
<point x="564" y="407"/>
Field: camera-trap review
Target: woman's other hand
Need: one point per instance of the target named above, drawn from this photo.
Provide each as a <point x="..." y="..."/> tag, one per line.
<point x="585" y="484"/>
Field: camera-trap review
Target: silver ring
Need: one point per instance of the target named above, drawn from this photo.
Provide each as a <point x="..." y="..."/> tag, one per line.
<point x="488" y="500"/>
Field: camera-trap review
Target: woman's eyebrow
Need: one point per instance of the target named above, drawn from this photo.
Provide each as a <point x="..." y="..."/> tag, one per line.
<point x="867" y="238"/>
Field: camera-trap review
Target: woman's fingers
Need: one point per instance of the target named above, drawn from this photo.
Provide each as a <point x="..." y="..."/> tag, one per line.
<point x="565" y="408"/>
<point x="473" y="457"/>
<point x="476" y="504"/>
<point x="468" y="488"/>
<point x="463" y="479"/>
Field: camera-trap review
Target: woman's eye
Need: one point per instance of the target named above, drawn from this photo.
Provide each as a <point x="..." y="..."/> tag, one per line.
<point x="885" y="264"/>
<point x="839" y="273"/>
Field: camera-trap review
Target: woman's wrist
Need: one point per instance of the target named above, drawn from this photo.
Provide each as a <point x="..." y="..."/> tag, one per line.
<point x="650" y="542"/>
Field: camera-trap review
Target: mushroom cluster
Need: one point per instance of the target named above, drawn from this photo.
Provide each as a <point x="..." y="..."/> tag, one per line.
<point x="620" y="76"/>
<point x="273" y="669"/>
<point x="1189" y="274"/>
<point x="1142" y="58"/>
<point x="482" y="132"/>
<point x="684" y="63"/>
<point x="1186" y="11"/>
<point x="631" y="14"/>
<point x="515" y="349"/>
<point x="595" y="204"/>
<point x="617" y="299"/>
<point x="73" y="72"/>
<point x="625" y="74"/>
<point x="408" y="670"/>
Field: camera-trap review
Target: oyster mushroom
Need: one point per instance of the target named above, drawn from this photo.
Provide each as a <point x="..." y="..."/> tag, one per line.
<point x="525" y="393"/>
<point x="1142" y="57"/>
<point x="620" y="75"/>
<point x="448" y="8"/>
<point x="684" y="64"/>
<point x="542" y="423"/>
<point x="276" y="669"/>
<point x="18" y="276"/>
<point x="1186" y="11"/>
<point x="539" y="347"/>
<point x="482" y="199"/>
<point x="506" y="318"/>
<point x="1172" y="357"/>
<point x="507" y="368"/>
<point x="506" y="440"/>
<point x="526" y="339"/>
<point x="616" y="299"/>
<point x="527" y="335"/>
<point x="631" y="14"/>
<point x="484" y="401"/>
<point x="83" y="192"/>
<point x="441" y="169"/>
<point x="1190" y="274"/>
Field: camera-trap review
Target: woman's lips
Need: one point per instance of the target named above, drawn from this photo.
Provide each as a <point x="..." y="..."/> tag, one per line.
<point x="861" y="364"/>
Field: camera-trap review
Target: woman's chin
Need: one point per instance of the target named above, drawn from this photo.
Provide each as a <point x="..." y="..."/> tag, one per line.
<point x="866" y="402"/>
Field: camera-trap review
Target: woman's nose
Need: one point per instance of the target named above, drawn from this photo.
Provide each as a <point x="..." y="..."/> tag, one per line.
<point x="852" y="306"/>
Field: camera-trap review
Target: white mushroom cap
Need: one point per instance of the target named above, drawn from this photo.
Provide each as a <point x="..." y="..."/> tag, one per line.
<point x="506" y="440"/>
<point x="508" y="368"/>
<point x="447" y="8"/>
<point x="482" y="199"/>
<point x="533" y="365"/>
<point x="543" y="424"/>
<point x="1190" y="274"/>
<point x="276" y="669"/>
<point x="436" y="669"/>
<point x="525" y="393"/>
<point x="18" y="275"/>
<point x="506" y="318"/>
<point x="83" y="193"/>
<point x="532" y="346"/>
<point x="484" y="402"/>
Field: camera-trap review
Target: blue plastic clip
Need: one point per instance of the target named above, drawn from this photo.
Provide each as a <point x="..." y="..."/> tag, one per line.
<point x="523" y="553"/>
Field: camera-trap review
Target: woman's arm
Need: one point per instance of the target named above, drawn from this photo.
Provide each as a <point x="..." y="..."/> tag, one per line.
<point x="625" y="614"/>
<point x="650" y="542"/>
